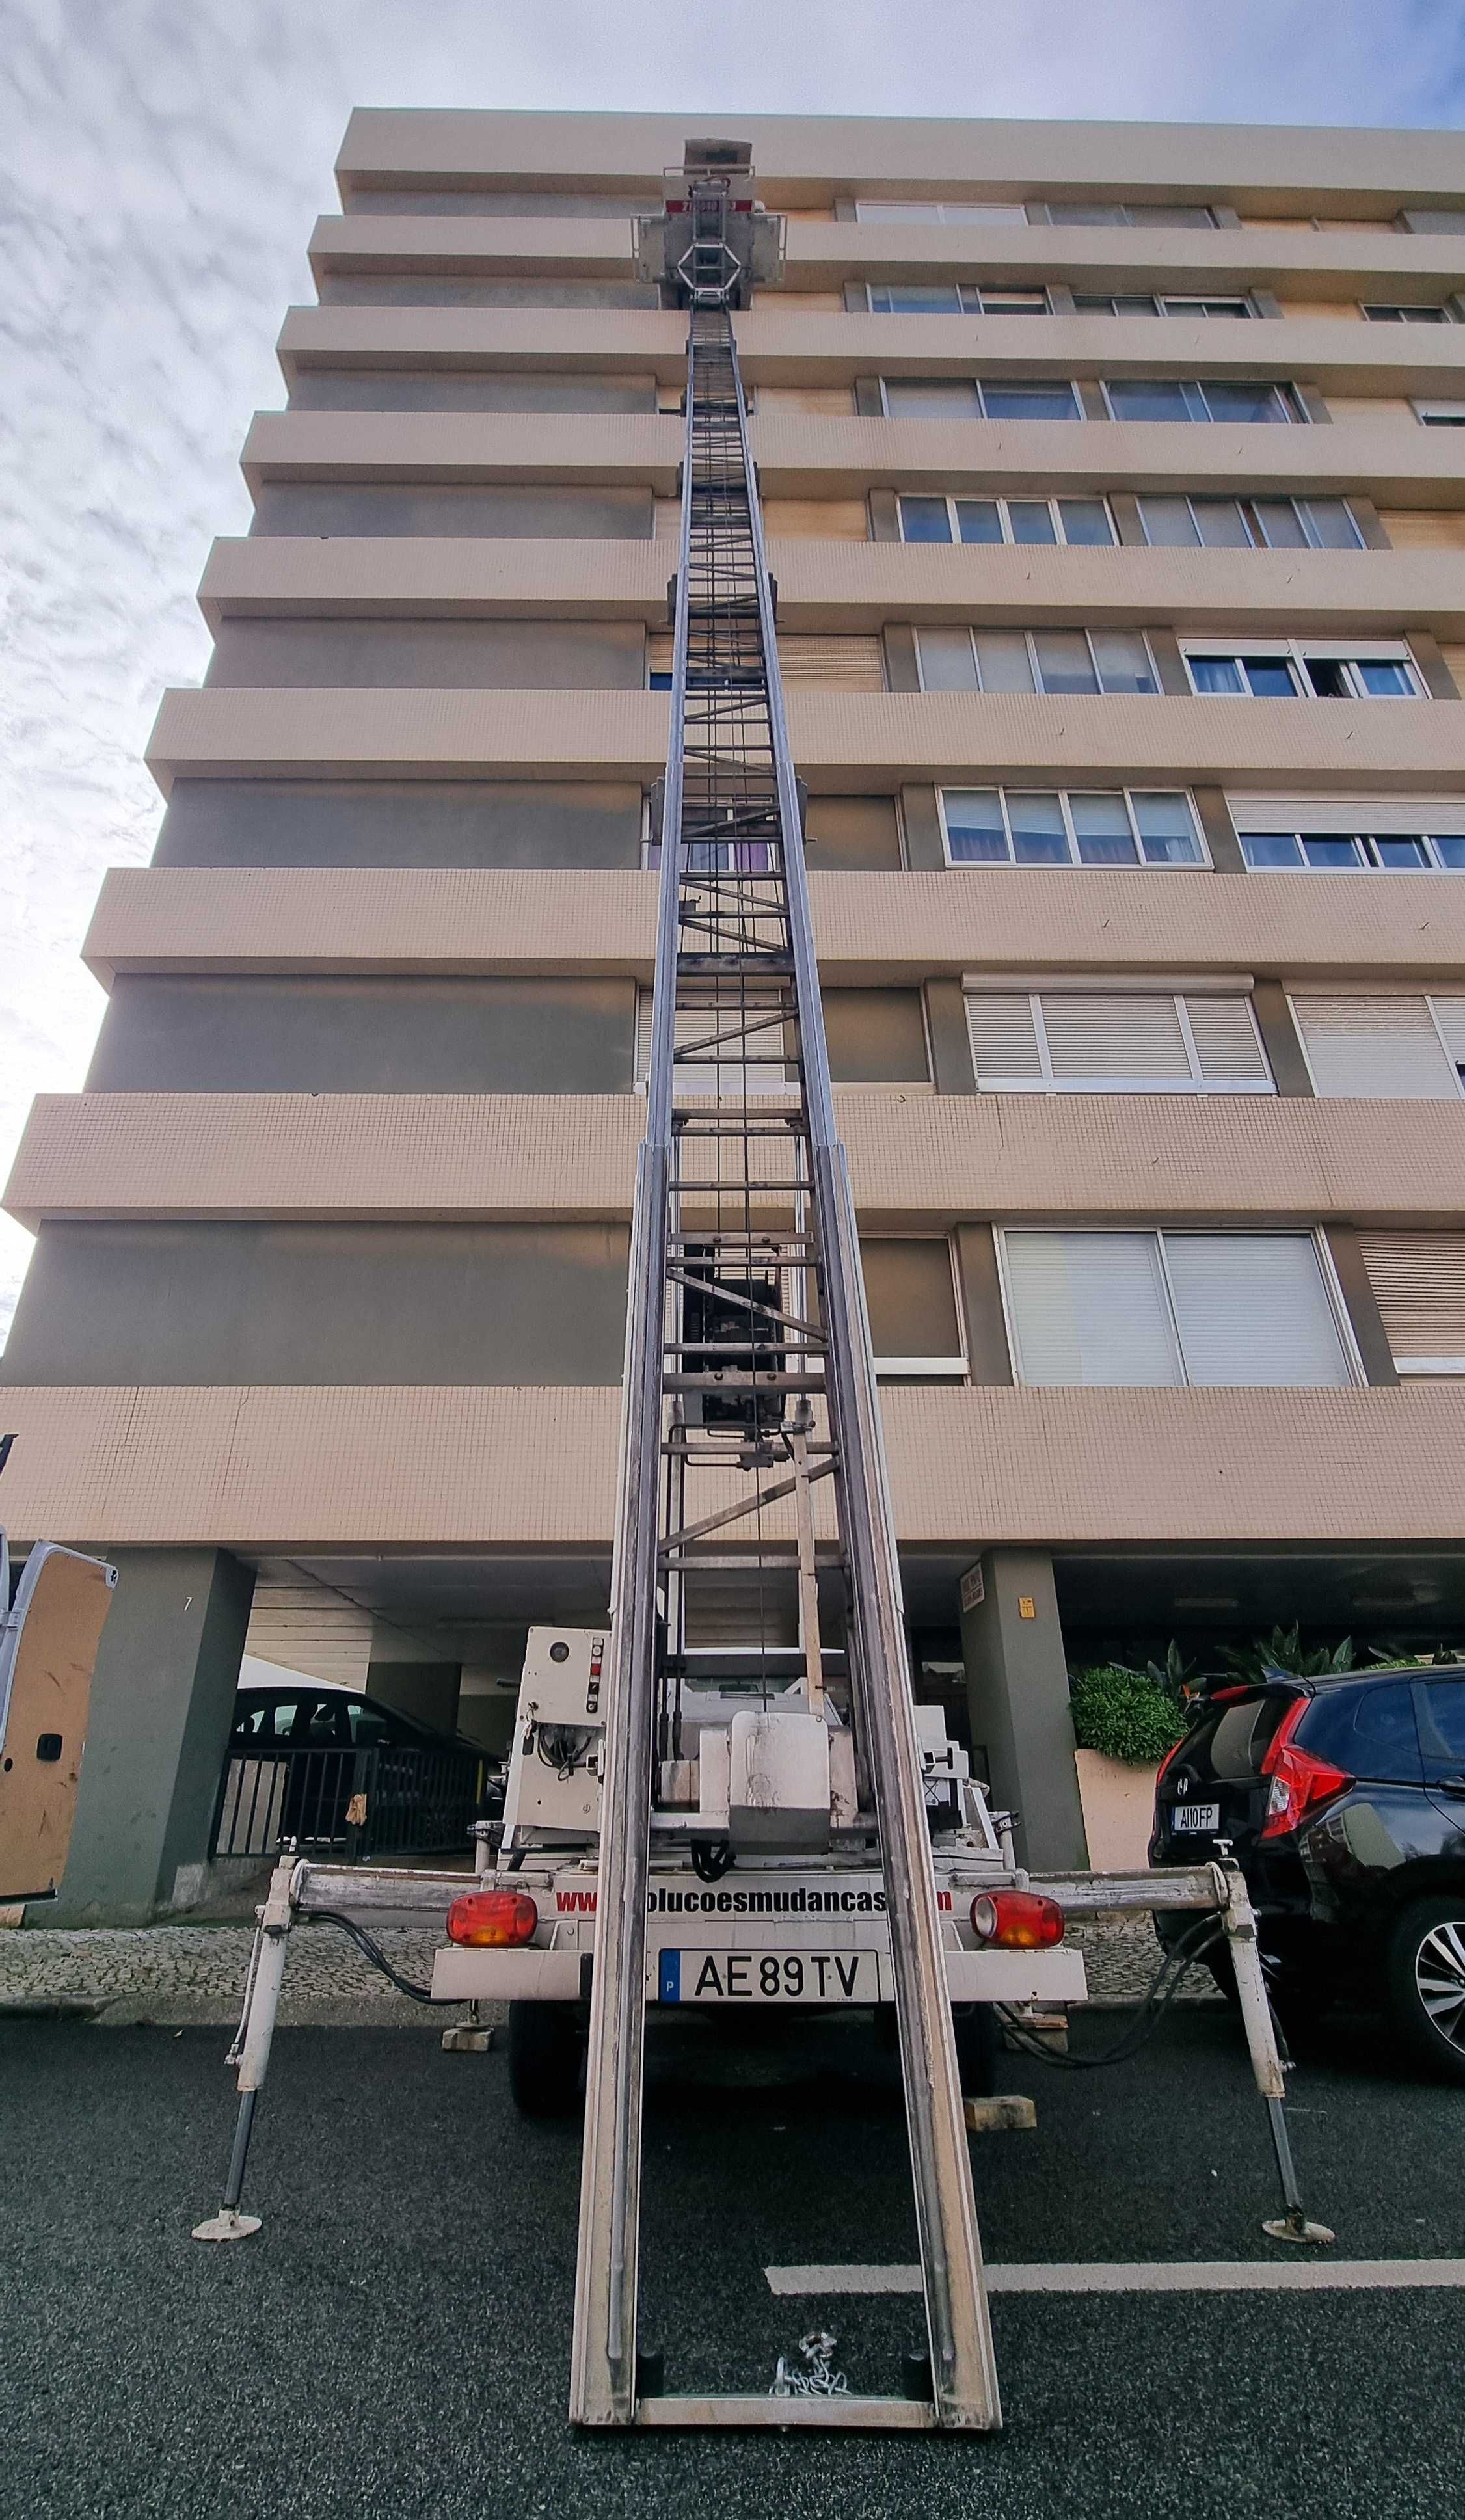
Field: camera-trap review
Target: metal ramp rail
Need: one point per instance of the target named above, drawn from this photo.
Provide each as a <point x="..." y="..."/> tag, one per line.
<point x="747" y="1370"/>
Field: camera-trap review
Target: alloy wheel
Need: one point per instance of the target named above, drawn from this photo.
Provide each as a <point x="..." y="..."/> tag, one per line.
<point x="1440" y="1976"/>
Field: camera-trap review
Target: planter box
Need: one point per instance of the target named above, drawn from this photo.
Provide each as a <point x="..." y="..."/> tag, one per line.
<point x="1118" y="1802"/>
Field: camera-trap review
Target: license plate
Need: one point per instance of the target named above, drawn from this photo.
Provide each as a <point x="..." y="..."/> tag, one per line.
<point x="768" y="1977"/>
<point x="1195" y="1820"/>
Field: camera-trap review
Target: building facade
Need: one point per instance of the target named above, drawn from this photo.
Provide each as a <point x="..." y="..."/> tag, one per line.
<point x="1115" y="483"/>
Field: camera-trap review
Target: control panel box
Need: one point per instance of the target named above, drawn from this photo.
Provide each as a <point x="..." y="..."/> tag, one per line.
<point x="564" y="1673"/>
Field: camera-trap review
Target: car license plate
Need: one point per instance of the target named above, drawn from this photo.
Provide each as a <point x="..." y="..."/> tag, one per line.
<point x="768" y="1977"/>
<point x="1195" y="1820"/>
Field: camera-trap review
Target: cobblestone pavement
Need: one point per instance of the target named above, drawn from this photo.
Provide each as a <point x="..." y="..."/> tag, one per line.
<point x="188" y="1974"/>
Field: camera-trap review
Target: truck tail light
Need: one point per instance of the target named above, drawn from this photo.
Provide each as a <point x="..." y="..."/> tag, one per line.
<point x="1016" y="1921"/>
<point x="492" y="1918"/>
<point x="1300" y="1783"/>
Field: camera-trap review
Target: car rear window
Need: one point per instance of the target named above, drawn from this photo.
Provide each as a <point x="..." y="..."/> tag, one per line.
<point x="1367" y="1731"/>
<point x="1229" y="1743"/>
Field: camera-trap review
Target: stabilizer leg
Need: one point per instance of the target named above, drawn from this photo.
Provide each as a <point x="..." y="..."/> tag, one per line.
<point x="1267" y="2061"/>
<point x="252" y="2049"/>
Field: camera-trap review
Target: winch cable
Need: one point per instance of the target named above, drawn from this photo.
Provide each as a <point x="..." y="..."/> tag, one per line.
<point x="1153" y="2007"/>
<point x="370" y="1946"/>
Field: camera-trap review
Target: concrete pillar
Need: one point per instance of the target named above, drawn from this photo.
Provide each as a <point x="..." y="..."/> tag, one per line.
<point x="1018" y="1694"/>
<point x="162" y="1696"/>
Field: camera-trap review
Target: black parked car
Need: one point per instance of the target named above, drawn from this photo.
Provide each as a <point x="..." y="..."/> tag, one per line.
<point x="340" y="1773"/>
<point x="1344" y="1803"/>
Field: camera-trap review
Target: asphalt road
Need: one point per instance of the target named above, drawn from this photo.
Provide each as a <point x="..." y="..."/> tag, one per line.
<point x="395" y="2342"/>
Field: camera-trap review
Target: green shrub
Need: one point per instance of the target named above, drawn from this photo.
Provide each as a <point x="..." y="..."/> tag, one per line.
<point x="1284" y="1651"/>
<point x="1124" y="1714"/>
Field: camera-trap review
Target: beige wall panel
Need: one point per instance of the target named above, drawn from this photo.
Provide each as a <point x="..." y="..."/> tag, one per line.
<point x="1354" y="411"/>
<point x="878" y="739"/>
<point x="643" y="343"/>
<point x="1423" y="528"/>
<point x="802" y="301"/>
<point x="871" y="928"/>
<point x="827" y="521"/>
<point x="564" y="447"/>
<point x="1453" y="653"/>
<point x="261" y="1467"/>
<point x="426" y="576"/>
<point x="811" y="402"/>
<point x="1307" y="309"/>
<point x="591" y="248"/>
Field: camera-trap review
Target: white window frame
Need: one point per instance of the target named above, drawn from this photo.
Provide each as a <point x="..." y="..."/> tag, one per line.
<point x="987" y="984"/>
<point x="1351" y="1355"/>
<point x="1031" y="637"/>
<point x="1389" y="997"/>
<point x="928" y="1369"/>
<point x="1292" y="414"/>
<point x="1430" y="410"/>
<point x="1298" y="500"/>
<point x="1347" y="652"/>
<point x="962" y="289"/>
<point x="942" y="215"/>
<point x="1075" y="400"/>
<point x="1400" y="311"/>
<point x="1193" y="308"/>
<point x="1126" y="219"/>
<point x="1303" y="819"/>
<point x="1051" y="501"/>
<point x="1141" y="864"/>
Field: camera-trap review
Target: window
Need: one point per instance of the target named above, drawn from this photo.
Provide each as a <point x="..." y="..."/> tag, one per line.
<point x="1410" y="1049"/>
<point x="971" y="398"/>
<point x="1152" y="1309"/>
<point x="1087" y="303"/>
<point x="910" y="1294"/>
<point x="1057" y="661"/>
<point x="954" y="297"/>
<point x="1440" y="414"/>
<point x="941" y="214"/>
<point x="1239" y="524"/>
<point x="935" y="520"/>
<point x="1200" y="398"/>
<point x="1068" y="1039"/>
<point x="1406" y="315"/>
<point x="1050" y="827"/>
<point x="698" y="1069"/>
<point x="1302" y="669"/>
<point x="1331" y="835"/>
<point x="1131" y="214"/>
<point x="1418" y="1282"/>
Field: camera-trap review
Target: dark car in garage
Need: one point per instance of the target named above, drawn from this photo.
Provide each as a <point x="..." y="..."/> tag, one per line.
<point x="344" y="1774"/>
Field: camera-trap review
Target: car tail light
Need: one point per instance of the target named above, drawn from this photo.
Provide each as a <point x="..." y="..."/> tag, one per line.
<point x="1016" y="1921"/>
<point x="1300" y="1783"/>
<point x="491" y="1919"/>
<point x="1170" y="1755"/>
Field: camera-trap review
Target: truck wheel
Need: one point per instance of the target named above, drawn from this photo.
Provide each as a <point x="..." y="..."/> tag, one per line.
<point x="979" y="2049"/>
<point x="1425" y="1975"/>
<point x="544" y="2059"/>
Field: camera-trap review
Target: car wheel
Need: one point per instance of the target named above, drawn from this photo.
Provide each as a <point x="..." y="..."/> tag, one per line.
<point x="1426" y="1976"/>
<point x="978" y="2048"/>
<point x="544" y="2059"/>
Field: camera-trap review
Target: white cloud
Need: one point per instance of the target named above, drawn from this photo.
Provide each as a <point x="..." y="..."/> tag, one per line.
<point x="160" y="162"/>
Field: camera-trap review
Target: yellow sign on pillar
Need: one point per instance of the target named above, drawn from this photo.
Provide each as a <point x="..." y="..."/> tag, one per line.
<point x="1026" y="1606"/>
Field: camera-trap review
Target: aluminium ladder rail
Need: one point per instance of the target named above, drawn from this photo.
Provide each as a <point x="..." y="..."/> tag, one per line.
<point x="740" y="1193"/>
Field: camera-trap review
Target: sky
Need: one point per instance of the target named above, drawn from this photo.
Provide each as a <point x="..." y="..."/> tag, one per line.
<point x="161" y="164"/>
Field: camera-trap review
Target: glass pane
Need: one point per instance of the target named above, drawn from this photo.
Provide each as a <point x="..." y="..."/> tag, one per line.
<point x="1269" y="678"/>
<point x="1124" y="661"/>
<point x="1085" y="521"/>
<point x="979" y="521"/>
<point x="1088" y="214"/>
<point x="1449" y="847"/>
<point x="1064" y="662"/>
<point x="947" y="663"/>
<point x="1222" y="526"/>
<point x="1032" y="521"/>
<point x="1330" y="524"/>
<point x="1170" y="214"/>
<point x="1147" y="398"/>
<point x="983" y="214"/>
<point x="1280" y="523"/>
<point x="1327" y="677"/>
<point x="1036" y="400"/>
<point x="1442" y="1725"/>
<point x="1329" y="852"/>
<point x="1090" y="1308"/>
<point x="1368" y="1731"/>
<point x="1085" y="304"/>
<point x="1167" y="834"/>
<point x="1270" y="849"/>
<point x="907" y="300"/>
<point x="1101" y="826"/>
<point x="1384" y="680"/>
<point x="1006" y="665"/>
<point x="926" y="520"/>
<point x="1169" y="523"/>
<point x="1134" y="305"/>
<point x="932" y="398"/>
<point x="976" y="835"/>
<point x="1215" y="673"/>
<point x="1405" y="853"/>
<point x="1006" y="301"/>
<point x="1038" y="836"/>
<point x="897" y="213"/>
<point x="1227" y="398"/>
<point x="1252" y="1310"/>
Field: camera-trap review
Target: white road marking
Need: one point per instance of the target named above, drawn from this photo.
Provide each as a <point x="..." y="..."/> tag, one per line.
<point x="1216" y="2274"/>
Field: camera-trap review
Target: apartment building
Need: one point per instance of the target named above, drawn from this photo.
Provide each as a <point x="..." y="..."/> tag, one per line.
<point x="1115" y="483"/>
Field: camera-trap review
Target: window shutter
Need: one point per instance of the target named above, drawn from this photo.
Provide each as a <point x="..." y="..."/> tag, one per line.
<point x="932" y="398"/>
<point x="1253" y="1309"/>
<point x="1226" y="1041"/>
<point x="1374" y="1045"/>
<point x="1449" y="1015"/>
<point x="1003" y="1037"/>
<point x="811" y="402"/>
<point x="659" y="645"/>
<point x="838" y="664"/>
<point x="948" y="663"/>
<point x="1418" y="1281"/>
<point x="1107" y="1033"/>
<point x="1089" y="1308"/>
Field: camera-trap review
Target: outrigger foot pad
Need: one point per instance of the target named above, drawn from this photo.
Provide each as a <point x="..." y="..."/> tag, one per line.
<point x="1297" y="2228"/>
<point x="227" y="2225"/>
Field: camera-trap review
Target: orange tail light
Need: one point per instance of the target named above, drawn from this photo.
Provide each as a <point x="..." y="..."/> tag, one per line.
<point x="1016" y="1921"/>
<point x="492" y="1918"/>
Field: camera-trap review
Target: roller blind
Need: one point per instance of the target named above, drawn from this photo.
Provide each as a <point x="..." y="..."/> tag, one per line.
<point x="815" y="402"/>
<point x="1450" y="1016"/>
<point x="1148" y="1308"/>
<point x="848" y="663"/>
<point x="1418" y="1281"/>
<point x="1003" y="1037"/>
<point x="1110" y="1035"/>
<point x="1115" y="1038"/>
<point x="699" y="1023"/>
<point x="1090" y="1308"/>
<point x="1253" y="1309"/>
<point x="932" y="398"/>
<point x="825" y="521"/>
<point x="1375" y="1046"/>
<point x="1423" y="528"/>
